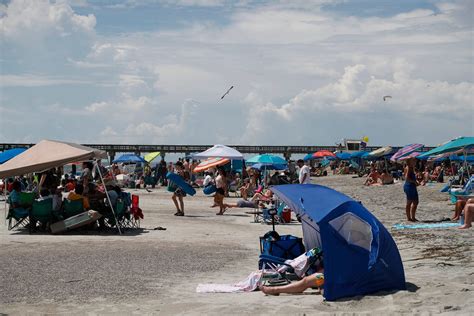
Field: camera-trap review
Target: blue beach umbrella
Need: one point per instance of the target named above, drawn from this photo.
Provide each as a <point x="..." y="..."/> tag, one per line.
<point x="10" y="153"/>
<point x="343" y="156"/>
<point x="308" y="157"/>
<point x="460" y="143"/>
<point x="261" y="166"/>
<point x="267" y="160"/>
<point x="129" y="158"/>
<point x="359" y="154"/>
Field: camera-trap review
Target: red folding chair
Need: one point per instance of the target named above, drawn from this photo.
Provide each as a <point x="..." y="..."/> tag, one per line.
<point x="136" y="211"/>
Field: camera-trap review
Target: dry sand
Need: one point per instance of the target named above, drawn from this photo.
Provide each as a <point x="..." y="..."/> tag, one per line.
<point x="156" y="271"/>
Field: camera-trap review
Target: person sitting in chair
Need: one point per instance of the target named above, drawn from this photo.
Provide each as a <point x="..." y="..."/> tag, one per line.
<point x="77" y="194"/>
<point x="14" y="200"/>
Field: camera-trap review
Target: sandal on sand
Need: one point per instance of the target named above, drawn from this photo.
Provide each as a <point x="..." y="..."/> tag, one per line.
<point x="179" y="214"/>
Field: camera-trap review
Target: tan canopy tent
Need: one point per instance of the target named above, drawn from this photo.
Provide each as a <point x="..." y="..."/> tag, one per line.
<point x="48" y="154"/>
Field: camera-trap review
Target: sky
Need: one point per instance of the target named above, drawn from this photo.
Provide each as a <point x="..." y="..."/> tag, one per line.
<point x="305" y="72"/>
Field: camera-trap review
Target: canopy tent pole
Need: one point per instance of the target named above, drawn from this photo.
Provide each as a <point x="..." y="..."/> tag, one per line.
<point x="108" y="198"/>
<point x="5" y="199"/>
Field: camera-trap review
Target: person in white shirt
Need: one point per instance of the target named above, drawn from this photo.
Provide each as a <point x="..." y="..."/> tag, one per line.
<point x="207" y="179"/>
<point x="304" y="174"/>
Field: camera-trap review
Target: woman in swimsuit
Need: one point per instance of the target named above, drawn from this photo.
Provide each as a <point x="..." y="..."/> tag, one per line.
<point x="410" y="190"/>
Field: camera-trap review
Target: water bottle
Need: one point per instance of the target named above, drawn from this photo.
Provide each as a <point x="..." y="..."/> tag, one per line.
<point x="461" y="219"/>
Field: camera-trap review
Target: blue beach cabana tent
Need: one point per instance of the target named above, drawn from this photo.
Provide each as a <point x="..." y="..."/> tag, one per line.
<point x="10" y="153"/>
<point x="360" y="256"/>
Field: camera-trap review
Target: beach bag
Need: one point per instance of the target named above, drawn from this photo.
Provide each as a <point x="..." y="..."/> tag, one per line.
<point x="210" y="189"/>
<point x="284" y="246"/>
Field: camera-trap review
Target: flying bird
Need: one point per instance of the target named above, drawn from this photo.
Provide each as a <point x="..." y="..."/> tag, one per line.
<point x="387" y="97"/>
<point x="227" y="92"/>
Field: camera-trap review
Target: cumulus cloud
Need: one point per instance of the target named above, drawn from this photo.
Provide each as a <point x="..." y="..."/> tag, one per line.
<point x="359" y="92"/>
<point x="26" y="20"/>
<point x="302" y="74"/>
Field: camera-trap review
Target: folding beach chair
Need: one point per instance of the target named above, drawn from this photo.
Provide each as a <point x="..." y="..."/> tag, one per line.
<point x="292" y="269"/>
<point x="120" y="212"/>
<point x="42" y="213"/>
<point x="19" y="217"/>
<point x="72" y="208"/>
<point x="136" y="212"/>
<point x="464" y="191"/>
<point x="234" y="188"/>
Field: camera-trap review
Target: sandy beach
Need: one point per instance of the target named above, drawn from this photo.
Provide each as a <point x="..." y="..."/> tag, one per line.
<point x="151" y="271"/>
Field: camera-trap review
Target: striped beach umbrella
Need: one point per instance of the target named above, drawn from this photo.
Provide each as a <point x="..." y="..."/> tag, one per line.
<point x="209" y="163"/>
<point x="407" y="150"/>
<point x="410" y="155"/>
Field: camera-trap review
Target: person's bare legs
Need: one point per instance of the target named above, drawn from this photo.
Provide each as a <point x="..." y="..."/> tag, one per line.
<point x="460" y="204"/>
<point x="175" y="201"/>
<point x="414" y="205"/>
<point x="468" y="216"/>
<point x="295" y="287"/>
<point x="408" y="209"/>
<point x="181" y="204"/>
<point x="458" y="209"/>
<point x="220" y="201"/>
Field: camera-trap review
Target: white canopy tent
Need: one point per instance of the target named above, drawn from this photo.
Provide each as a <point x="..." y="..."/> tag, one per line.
<point x="48" y="154"/>
<point x="219" y="151"/>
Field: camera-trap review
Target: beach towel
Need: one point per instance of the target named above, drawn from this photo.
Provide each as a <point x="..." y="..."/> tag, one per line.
<point x="426" y="226"/>
<point x="248" y="285"/>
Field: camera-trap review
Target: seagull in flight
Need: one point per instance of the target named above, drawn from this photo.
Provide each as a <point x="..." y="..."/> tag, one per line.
<point x="227" y="92"/>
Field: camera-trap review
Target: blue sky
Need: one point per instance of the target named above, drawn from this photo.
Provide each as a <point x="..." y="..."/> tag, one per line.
<point x="304" y="71"/>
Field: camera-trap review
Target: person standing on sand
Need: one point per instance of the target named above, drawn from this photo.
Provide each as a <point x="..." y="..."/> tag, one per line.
<point x="221" y="184"/>
<point x="304" y="172"/>
<point x="178" y="193"/>
<point x="410" y="190"/>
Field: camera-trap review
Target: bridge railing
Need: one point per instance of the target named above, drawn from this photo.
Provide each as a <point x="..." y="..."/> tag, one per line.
<point x="245" y="149"/>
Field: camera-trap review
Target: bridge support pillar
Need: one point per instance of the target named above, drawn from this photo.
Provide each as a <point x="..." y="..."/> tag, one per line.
<point x="111" y="156"/>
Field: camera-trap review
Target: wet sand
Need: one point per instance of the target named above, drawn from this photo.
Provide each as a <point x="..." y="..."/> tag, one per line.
<point x="151" y="271"/>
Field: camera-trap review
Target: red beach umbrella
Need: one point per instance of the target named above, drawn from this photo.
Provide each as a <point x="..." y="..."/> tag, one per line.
<point x="323" y="153"/>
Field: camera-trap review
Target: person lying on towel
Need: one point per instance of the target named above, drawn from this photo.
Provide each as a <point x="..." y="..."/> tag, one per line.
<point x="257" y="200"/>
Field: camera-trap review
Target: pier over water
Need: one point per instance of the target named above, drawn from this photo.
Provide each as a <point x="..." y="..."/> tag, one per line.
<point x="286" y="151"/>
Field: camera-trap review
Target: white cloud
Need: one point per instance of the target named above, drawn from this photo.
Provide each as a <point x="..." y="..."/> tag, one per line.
<point x="29" y="80"/>
<point x="25" y="19"/>
<point x="301" y="74"/>
<point x="97" y="106"/>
